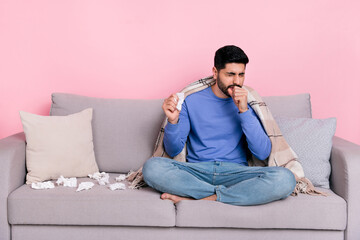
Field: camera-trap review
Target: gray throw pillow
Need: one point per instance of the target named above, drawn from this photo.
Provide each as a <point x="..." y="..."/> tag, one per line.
<point x="311" y="139"/>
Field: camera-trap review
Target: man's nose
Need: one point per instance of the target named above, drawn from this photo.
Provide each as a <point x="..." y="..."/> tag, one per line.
<point x="237" y="80"/>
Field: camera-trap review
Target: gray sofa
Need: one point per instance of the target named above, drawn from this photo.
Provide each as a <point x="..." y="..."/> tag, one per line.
<point x="124" y="134"/>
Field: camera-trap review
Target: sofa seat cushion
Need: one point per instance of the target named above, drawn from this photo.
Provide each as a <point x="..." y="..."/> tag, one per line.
<point x="300" y="212"/>
<point x="97" y="206"/>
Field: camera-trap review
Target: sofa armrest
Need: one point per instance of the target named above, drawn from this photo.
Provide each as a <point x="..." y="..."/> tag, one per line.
<point x="12" y="175"/>
<point x="345" y="180"/>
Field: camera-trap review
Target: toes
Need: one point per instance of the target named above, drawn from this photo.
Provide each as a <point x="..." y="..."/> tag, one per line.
<point x="165" y="196"/>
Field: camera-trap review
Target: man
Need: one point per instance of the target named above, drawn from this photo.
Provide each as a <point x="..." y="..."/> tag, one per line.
<point x="218" y="127"/>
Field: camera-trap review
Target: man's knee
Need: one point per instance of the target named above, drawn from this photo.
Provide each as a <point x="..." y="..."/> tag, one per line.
<point x="149" y="168"/>
<point x="153" y="169"/>
<point x="285" y="180"/>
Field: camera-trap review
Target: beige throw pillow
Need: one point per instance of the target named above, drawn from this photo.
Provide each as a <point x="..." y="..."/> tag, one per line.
<point x="58" y="145"/>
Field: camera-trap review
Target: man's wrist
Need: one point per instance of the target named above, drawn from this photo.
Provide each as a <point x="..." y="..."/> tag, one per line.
<point x="243" y="110"/>
<point x="173" y="121"/>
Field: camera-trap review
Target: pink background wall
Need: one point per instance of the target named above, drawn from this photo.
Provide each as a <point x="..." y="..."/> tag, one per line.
<point x="148" y="49"/>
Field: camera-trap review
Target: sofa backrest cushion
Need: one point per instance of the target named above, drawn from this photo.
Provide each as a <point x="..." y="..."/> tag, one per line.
<point x="125" y="130"/>
<point x="298" y="106"/>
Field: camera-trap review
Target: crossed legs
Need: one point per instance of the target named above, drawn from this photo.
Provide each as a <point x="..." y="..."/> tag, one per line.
<point x="221" y="181"/>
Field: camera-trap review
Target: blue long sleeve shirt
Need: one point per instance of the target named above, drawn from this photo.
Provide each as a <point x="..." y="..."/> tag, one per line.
<point x="215" y="131"/>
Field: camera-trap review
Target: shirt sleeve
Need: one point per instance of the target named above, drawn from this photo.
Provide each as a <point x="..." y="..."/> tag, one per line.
<point x="175" y="135"/>
<point x="256" y="137"/>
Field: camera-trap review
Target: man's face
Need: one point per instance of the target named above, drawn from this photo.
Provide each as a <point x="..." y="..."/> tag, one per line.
<point x="232" y="75"/>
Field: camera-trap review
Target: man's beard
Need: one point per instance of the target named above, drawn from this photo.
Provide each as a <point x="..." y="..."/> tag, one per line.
<point x="224" y="88"/>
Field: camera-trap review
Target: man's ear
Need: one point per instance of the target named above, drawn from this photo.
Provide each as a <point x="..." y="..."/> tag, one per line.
<point x="215" y="72"/>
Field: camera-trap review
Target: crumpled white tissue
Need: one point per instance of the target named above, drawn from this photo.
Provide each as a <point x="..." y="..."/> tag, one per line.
<point x="85" y="186"/>
<point x="43" y="185"/>
<point x="102" y="178"/>
<point x="120" y="178"/>
<point x="67" y="182"/>
<point x="181" y="100"/>
<point x="117" y="186"/>
<point x="96" y="175"/>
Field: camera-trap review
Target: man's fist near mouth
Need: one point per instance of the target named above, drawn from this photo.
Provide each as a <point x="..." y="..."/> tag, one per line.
<point x="239" y="96"/>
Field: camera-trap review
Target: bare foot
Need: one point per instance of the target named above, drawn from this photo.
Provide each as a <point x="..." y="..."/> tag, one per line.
<point x="174" y="198"/>
<point x="210" y="198"/>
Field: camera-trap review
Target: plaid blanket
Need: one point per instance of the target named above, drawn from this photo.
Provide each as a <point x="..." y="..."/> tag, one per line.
<point x="281" y="153"/>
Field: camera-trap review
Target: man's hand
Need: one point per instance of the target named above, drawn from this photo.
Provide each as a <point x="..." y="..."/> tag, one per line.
<point x="170" y="110"/>
<point x="239" y="96"/>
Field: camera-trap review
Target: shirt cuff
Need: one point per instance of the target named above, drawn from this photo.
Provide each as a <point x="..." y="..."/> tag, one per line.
<point x="248" y="117"/>
<point x="172" y="128"/>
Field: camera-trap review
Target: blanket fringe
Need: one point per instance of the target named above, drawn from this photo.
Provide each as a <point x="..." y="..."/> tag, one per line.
<point x="136" y="179"/>
<point x="303" y="185"/>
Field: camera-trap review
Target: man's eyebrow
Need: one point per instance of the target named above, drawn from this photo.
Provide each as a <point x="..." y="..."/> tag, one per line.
<point x="242" y="73"/>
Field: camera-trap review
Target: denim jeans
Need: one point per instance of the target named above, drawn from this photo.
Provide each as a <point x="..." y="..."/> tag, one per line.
<point x="232" y="183"/>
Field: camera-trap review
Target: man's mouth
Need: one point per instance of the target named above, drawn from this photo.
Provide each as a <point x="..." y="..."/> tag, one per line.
<point x="232" y="86"/>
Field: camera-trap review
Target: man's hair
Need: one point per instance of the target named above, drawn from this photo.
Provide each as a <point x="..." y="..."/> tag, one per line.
<point x="229" y="54"/>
